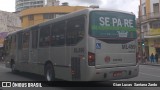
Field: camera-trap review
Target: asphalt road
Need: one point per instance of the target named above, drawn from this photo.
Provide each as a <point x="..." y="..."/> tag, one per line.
<point x="146" y="73"/>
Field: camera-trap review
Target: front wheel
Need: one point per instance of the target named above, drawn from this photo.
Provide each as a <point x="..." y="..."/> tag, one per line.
<point x="49" y="72"/>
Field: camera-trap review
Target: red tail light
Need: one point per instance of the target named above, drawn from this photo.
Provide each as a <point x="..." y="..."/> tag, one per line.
<point x="107" y="59"/>
<point x="91" y="59"/>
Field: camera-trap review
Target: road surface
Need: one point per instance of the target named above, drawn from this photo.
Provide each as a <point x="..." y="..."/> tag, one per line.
<point x="146" y="73"/>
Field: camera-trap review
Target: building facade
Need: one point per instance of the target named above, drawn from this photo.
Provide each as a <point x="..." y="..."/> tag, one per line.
<point x="10" y="23"/>
<point x="53" y="3"/>
<point x="149" y="17"/>
<point x="25" y="4"/>
<point x="35" y="16"/>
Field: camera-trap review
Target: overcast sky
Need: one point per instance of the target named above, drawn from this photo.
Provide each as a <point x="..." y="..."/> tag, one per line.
<point x="125" y="5"/>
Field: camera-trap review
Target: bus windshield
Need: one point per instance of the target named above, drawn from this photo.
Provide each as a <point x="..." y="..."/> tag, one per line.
<point x="112" y="25"/>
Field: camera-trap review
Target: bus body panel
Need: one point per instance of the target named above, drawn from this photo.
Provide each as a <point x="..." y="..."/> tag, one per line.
<point x="33" y="59"/>
<point x="43" y="56"/>
<point x="113" y="55"/>
<point x="106" y="74"/>
<point x="75" y="62"/>
<point x="59" y="59"/>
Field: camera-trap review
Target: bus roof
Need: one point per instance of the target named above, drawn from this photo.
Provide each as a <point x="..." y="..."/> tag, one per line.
<point x="72" y="14"/>
<point x="82" y="12"/>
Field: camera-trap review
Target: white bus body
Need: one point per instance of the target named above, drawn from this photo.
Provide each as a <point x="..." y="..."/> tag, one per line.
<point x="87" y="45"/>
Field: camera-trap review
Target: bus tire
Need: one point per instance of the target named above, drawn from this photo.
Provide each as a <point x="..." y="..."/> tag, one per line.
<point x="49" y="72"/>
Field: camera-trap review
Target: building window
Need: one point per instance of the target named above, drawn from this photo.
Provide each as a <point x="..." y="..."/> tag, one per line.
<point x="30" y="17"/>
<point x="144" y="28"/>
<point x="144" y="11"/>
<point x="155" y="24"/>
<point x="156" y="7"/>
<point x="48" y="16"/>
<point x="21" y="19"/>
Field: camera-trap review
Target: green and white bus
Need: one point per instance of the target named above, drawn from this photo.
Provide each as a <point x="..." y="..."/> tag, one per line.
<point x="87" y="45"/>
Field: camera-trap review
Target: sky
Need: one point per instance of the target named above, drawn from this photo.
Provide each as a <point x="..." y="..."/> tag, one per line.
<point x="125" y="5"/>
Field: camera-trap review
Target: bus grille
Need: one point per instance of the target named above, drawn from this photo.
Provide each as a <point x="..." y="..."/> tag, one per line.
<point x="75" y="68"/>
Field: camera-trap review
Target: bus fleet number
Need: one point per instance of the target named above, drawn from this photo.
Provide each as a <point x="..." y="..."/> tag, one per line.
<point x="128" y="46"/>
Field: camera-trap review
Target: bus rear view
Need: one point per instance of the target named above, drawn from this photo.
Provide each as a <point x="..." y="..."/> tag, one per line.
<point x="112" y="45"/>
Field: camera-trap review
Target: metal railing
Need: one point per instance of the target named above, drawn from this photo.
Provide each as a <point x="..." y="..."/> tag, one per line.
<point x="146" y="33"/>
<point x="153" y="15"/>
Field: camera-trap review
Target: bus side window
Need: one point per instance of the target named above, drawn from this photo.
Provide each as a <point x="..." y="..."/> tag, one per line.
<point x="53" y="36"/>
<point x="9" y="43"/>
<point x="34" y="38"/>
<point x="75" y="30"/>
<point x="26" y="39"/>
<point x="58" y="34"/>
<point x="20" y="41"/>
<point x="44" y="40"/>
<point x="13" y="42"/>
<point x="5" y="45"/>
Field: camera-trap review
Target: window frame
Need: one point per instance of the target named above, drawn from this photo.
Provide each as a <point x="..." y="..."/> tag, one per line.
<point x="30" y="17"/>
<point x="25" y="39"/>
<point x="35" y="35"/>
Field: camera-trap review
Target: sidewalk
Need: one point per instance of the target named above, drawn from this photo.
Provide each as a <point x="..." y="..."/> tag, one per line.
<point x="149" y="63"/>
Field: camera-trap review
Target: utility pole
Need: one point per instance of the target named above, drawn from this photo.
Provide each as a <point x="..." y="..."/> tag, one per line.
<point x="140" y="51"/>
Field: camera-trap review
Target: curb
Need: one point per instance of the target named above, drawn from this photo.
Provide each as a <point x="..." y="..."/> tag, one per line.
<point x="151" y="64"/>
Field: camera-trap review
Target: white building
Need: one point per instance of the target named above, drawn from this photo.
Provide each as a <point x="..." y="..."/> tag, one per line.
<point x="25" y="4"/>
<point x="52" y="3"/>
<point x="9" y="22"/>
<point x="149" y="16"/>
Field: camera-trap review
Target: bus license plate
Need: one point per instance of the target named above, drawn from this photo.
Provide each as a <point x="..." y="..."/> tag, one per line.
<point x="117" y="73"/>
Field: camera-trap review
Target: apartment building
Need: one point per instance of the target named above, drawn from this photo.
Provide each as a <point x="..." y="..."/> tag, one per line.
<point x="25" y="4"/>
<point x="149" y="17"/>
<point x="35" y="16"/>
<point x="10" y="23"/>
<point x="52" y="3"/>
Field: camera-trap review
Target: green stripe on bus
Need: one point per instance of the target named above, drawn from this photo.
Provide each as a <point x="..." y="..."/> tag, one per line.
<point x="95" y="27"/>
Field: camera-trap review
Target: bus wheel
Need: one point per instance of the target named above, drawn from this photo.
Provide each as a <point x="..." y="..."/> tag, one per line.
<point x="49" y="72"/>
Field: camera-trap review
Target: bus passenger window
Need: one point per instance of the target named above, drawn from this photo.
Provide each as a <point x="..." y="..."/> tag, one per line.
<point x="58" y="34"/>
<point x="44" y="40"/>
<point x="26" y="39"/>
<point x="75" y="30"/>
<point x="13" y="42"/>
<point x="7" y="45"/>
<point x="52" y="37"/>
<point x="20" y="41"/>
<point x="34" y="38"/>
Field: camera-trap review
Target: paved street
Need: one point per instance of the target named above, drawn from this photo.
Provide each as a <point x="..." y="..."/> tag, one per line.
<point x="147" y="73"/>
<point x="9" y="76"/>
